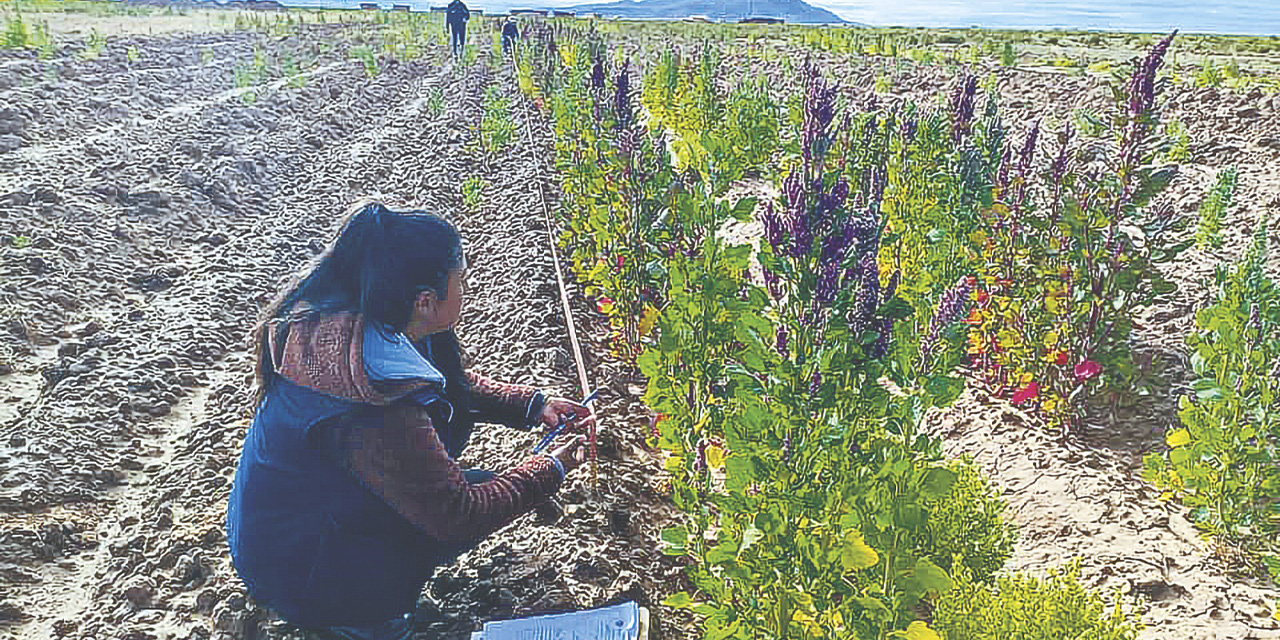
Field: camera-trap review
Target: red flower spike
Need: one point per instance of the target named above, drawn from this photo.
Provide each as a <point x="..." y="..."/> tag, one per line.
<point x="1087" y="370"/>
<point x="1061" y="358"/>
<point x="1027" y="393"/>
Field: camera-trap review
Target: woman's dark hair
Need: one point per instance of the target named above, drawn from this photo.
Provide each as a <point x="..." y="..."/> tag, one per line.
<point x="376" y="266"/>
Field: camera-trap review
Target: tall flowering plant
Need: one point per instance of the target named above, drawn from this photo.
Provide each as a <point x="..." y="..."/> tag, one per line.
<point x="806" y="442"/>
<point x="1069" y="259"/>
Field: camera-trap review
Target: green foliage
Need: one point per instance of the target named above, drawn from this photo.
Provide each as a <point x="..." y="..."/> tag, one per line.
<point x="1214" y="207"/>
<point x="473" y="192"/>
<point x="791" y="411"/>
<point x="1021" y="607"/>
<point x="1222" y="462"/>
<point x="1209" y="75"/>
<point x="93" y="45"/>
<point x="435" y="101"/>
<point x="1062" y="259"/>
<point x="15" y="33"/>
<point x="1007" y="57"/>
<point x="967" y="524"/>
<point x="497" y="129"/>
<point x="365" y="55"/>
<point x="1179" y="141"/>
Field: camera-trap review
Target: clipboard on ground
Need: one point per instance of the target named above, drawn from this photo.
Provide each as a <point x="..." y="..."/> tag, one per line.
<point x="626" y="621"/>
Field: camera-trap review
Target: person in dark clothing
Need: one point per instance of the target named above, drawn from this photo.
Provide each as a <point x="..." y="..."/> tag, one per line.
<point x="510" y="36"/>
<point x="348" y="494"/>
<point x="456" y="16"/>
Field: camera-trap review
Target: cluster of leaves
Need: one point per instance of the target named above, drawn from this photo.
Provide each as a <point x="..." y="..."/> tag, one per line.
<point x="1222" y="462"/>
<point x="1061" y="255"/>
<point x="21" y="34"/>
<point x="789" y="413"/>
<point x="1214" y="207"/>
<point x="790" y="378"/>
<point x="497" y="128"/>
<point x="473" y="192"/>
<point x="1030" y="608"/>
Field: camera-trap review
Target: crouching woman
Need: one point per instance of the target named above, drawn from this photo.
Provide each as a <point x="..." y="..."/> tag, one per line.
<point x="348" y="492"/>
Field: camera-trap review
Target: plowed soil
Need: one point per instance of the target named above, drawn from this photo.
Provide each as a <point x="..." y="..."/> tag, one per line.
<point x="159" y="208"/>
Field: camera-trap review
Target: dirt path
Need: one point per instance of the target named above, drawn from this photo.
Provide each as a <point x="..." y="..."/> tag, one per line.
<point x="156" y="237"/>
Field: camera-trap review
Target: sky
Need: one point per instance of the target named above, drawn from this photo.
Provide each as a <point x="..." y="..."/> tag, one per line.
<point x="1253" y="17"/>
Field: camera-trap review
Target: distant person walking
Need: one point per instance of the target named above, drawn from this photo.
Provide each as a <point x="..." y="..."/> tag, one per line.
<point x="456" y="17"/>
<point x="510" y="36"/>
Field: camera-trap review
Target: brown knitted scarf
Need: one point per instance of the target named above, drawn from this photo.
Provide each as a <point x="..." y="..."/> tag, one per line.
<point x="326" y="354"/>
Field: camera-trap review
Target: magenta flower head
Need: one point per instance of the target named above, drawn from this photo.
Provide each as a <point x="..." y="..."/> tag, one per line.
<point x="1087" y="370"/>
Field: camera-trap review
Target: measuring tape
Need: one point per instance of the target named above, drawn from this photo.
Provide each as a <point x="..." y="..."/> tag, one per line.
<point x="583" y="383"/>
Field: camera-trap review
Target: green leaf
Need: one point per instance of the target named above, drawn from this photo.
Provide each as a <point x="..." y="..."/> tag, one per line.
<point x="931" y="578"/>
<point x="744" y="209"/>
<point x="1178" y="438"/>
<point x="896" y="309"/>
<point x="856" y="554"/>
<point x="679" y="600"/>
<point x="943" y="390"/>
<point x="937" y="482"/>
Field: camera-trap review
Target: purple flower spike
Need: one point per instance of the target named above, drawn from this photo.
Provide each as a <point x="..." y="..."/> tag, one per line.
<point x="1059" y="166"/>
<point x="782" y="342"/>
<point x="773" y="283"/>
<point x="952" y="308"/>
<point x="815" y="383"/>
<point x="773" y="226"/>
<point x="597" y="74"/>
<point x="962" y="106"/>
<point x="622" y="97"/>
<point x="828" y="282"/>
<point x="1142" y="84"/>
<point x="1028" y="149"/>
<point x="909" y="128"/>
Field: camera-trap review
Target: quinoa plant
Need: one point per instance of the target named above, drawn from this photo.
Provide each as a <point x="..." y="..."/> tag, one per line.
<point x="1222" y="460"/>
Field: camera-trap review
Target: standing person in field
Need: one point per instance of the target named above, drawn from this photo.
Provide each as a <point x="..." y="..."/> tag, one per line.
<point x="456" y="16"/>
<point x="510" y="35"/>
<point x="348" y="493"/>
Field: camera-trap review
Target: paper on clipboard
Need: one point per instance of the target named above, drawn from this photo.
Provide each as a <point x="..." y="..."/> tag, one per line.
<point x="626" y="621"/>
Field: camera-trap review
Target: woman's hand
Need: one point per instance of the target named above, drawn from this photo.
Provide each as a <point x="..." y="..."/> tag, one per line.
<point x="572" y="453"/>
<point x="557" y="408"/>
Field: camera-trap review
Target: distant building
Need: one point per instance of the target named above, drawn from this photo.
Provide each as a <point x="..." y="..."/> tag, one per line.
<point x="702" y="19"/>
<point x="562" y="14"/>
<point x="402" y="8"/>
<point x="593" y="15"/>
<point x="762" y="21"/>
<point x="438" y="9"/>
<point x="528" y="12"/>
<point x="369" y="6"/>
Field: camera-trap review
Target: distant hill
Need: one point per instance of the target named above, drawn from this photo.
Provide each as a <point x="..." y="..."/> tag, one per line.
<point x="793" y="11"/>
